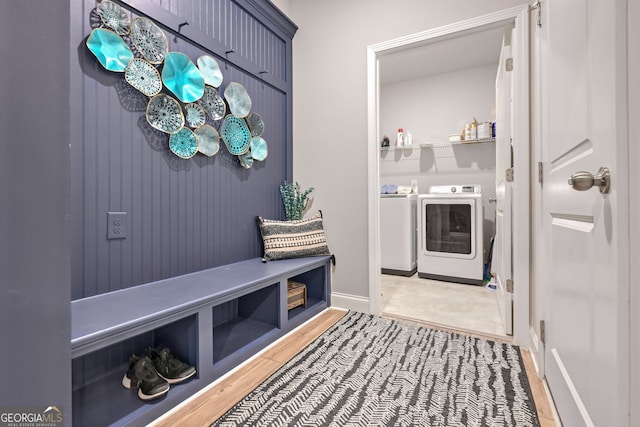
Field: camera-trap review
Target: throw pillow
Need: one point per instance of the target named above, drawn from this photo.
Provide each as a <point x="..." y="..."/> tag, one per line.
<point x="293" y="239"/>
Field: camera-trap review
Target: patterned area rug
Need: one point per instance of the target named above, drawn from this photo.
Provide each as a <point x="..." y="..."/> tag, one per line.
<point x="370" y="371"/>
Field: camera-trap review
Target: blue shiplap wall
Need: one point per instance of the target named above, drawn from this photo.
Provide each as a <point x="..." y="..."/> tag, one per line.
<point x="182" y="215"/>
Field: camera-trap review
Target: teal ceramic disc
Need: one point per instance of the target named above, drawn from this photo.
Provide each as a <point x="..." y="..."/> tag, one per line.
<point x="150" y="40"/>
<point x="182" y="77"/>
<point x="210" y="70"/>
<point x="235" y="134"/>
<point x="238" y="99"/>
<point x="110" y="50"/>
<point x="114" y="17"/>
<point x="164" y="113"/>
<point x="184" y="143"/>
<point x="213" y="103"/>
<point x="208" y="140"/>
<point x="259" y="148"/>
<point x="143" y="76"/>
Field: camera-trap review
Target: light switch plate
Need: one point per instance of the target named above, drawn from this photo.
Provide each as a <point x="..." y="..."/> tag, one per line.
<point x="116" y="225"/>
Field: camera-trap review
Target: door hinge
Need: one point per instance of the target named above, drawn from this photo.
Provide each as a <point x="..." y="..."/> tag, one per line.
<point x="510" y="286"/>
<point x="540" y="168"/>
<point x="537" y="7"/>
<point x="509" y="175"/>
<point x="508" y="65"/>
<point x="543" y="337"/>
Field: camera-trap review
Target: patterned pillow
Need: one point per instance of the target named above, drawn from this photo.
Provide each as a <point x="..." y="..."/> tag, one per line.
<point x="293" y="239"/>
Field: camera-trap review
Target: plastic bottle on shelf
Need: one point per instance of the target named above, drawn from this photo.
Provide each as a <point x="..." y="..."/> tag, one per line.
<point x="407" y="138"/>
<point x="400" y="138"/>
<point x="467" y="132"/>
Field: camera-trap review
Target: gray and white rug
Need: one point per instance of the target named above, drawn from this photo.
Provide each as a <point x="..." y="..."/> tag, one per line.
<point x="370" y="371"/>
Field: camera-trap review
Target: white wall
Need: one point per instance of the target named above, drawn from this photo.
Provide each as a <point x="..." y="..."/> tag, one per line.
<point x="433" y="107"/>
<point x="330" y="108"/>
<point x="283" y="5"/>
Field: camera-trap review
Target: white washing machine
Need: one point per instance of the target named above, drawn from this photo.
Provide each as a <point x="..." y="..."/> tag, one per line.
<point x="398" y="246"/>
<point x="450" y="234"/>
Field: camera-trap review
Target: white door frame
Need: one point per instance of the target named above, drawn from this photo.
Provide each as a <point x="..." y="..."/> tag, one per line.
<point x="633" y="64"/>
<point x="521" y="153"/>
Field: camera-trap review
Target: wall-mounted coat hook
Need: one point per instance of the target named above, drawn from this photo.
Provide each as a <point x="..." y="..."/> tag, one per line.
<point x="262" y="73"/>
<point x="226" y="64"/>
<point x="175" y="38"/>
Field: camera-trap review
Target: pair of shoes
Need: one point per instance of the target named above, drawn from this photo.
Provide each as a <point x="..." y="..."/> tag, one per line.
<point x="169" y="367"/>
<point x="152" y="374"/>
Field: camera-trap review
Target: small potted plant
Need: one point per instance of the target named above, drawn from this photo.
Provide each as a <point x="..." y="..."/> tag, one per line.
<point x="294" y="199"/>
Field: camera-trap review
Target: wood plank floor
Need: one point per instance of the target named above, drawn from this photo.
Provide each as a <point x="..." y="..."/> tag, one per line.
<point x="214" y="401"/>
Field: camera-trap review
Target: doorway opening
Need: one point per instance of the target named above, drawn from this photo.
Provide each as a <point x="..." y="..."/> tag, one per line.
<point x="427" y="45"/>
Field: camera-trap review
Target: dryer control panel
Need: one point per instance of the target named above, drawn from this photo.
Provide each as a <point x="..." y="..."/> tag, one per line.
<point x="454" y="189"/>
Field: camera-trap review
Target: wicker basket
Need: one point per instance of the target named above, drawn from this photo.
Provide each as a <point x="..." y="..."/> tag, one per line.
<point x="296" y="294"/>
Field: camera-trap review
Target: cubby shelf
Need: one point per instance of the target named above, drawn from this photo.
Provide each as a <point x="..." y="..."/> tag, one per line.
<point x="212" y="319"/>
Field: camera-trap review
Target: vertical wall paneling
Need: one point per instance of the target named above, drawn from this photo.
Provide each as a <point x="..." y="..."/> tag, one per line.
<point x="182" y="215"/>
<point x="35" y="227"/>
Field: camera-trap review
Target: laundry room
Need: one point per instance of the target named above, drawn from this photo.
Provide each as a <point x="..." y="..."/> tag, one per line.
<point x="437" y="173"/>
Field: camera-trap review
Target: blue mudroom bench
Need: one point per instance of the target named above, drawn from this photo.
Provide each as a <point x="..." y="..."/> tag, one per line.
<point x="213" y="319"/>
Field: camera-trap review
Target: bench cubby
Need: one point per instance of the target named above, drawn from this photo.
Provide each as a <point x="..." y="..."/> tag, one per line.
<point x="212" y="319"/>
<point x="244" y="320"/>
<point x="315" y="281"/>
<point x="97" y="390"/>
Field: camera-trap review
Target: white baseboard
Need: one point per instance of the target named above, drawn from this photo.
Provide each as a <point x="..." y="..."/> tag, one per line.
<point x="535" y="342"/>
<point x="535" y="349"/>
<point x="350" y="302"/>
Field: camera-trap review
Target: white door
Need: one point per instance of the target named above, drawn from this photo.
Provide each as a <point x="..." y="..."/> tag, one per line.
<point x="501" y="263"/>
<point x="585" y="232"/>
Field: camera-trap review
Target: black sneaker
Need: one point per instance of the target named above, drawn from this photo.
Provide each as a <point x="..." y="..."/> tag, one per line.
<point x="142" y="375"/>
<point x="169" y="367"/>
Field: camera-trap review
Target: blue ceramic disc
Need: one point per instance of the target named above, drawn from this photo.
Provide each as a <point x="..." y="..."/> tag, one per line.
<point x="110" y="50"/>
<point x="143" y="76"/>
<point x="164" y="113"/>
<point x="182" y="77"/>
<point x="256" y="126"/>
<point x="184" y="143"/>
<point x="258" y="148"/>
<point x="235" y="134"/>
<point x="246" y="160"/>
<point x="238" y="99"/>
<point x="208" y="140"/>
<point x="114" y="17"/>
<point x="149" y="39"/>
<point x="213" y="103"/>
<point x="195" y="115"/>
<point x="210" y="70"/>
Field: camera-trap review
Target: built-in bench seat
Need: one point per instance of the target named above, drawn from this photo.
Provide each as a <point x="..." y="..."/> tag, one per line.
<point x="214" y="319"/>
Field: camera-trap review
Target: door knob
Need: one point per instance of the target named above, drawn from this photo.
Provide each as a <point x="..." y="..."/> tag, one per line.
<point x="493" y="200"/>
<point x="582" y="180"/>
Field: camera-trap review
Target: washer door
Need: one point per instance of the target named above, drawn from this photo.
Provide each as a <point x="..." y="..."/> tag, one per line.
<point x="449" y="228"/>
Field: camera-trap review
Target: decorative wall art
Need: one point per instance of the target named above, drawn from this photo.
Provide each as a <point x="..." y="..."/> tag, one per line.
<point x="181" y="95"/>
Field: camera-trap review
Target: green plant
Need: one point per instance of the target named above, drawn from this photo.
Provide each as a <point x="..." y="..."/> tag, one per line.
<point x="294" y="199"/>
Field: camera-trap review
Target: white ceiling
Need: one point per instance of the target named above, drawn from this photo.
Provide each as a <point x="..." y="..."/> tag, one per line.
<point x="442" y="55"/>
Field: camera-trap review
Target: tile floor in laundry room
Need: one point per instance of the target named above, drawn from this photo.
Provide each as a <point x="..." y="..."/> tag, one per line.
<point x="468" y="308"/>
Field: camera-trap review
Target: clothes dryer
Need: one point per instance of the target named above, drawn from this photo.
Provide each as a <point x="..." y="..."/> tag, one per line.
<point x="450" y="234"/>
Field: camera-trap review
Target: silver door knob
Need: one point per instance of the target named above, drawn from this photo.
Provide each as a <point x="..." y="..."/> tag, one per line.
<point x="582" y="180"/>
<point x="493" y="200"/>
